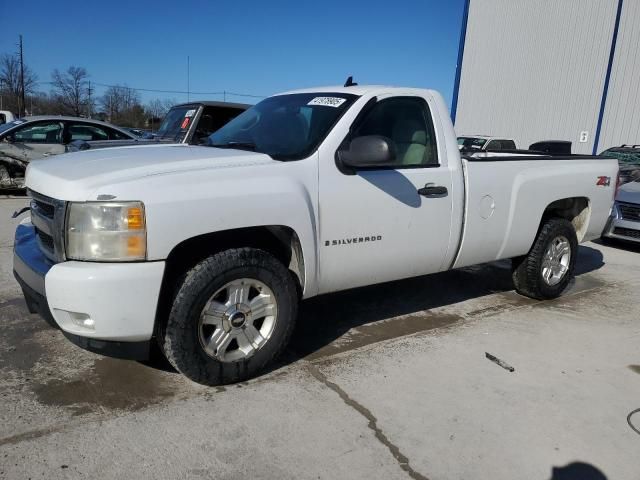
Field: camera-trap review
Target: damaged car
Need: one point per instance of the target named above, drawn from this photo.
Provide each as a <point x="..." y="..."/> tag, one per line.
<point x="34" y="138"/>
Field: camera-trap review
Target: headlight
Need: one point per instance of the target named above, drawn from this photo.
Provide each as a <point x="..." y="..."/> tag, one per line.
<point x="106" y="231"/>
<point x="615" y="212"/>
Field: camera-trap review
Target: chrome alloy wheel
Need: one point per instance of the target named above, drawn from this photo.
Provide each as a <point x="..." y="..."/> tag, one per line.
<point x="555" y="262"/>
<point x="237" y="320"/>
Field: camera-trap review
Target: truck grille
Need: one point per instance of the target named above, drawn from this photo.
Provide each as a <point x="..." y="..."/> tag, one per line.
<point x="627" y="232"/>
<point x="47" y="216"/>
<point x="46" y="241"/>
<point x="629" y="211"/>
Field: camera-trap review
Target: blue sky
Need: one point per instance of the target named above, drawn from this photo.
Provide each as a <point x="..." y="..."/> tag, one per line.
<point x="251" y="47"/>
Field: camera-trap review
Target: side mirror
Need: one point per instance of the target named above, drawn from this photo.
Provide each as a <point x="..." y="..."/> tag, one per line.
<point x="370" y="151"/>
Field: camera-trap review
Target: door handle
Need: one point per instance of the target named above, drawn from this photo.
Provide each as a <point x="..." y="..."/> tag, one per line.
<point x="430" y="190"/>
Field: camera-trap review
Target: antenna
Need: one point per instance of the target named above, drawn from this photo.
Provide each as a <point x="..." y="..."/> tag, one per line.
<point x="350" y="82"/>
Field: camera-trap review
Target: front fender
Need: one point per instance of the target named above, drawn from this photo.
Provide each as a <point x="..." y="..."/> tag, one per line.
<point x="180" y="206"/>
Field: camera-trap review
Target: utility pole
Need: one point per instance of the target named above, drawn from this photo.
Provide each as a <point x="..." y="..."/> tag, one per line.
<point x="22" y="107"/>
<point x="188" y="77"/>
<point x="89" y="102"/>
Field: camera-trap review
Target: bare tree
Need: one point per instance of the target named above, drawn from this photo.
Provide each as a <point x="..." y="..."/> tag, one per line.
<point x="71" y="88"/>
<point x="156" y="109"/>
<point x="10" y="81"/>
<point x="121" y="105"/>
<point x="41" y="103"/>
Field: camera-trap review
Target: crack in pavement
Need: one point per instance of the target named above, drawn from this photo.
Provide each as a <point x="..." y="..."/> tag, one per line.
<point x="402" y="460"/>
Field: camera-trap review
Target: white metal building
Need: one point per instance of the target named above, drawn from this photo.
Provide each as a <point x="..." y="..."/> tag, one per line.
<point x="550" y="70"/>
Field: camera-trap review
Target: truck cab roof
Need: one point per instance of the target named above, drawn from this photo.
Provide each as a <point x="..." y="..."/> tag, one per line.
<point x="359" y="90"/>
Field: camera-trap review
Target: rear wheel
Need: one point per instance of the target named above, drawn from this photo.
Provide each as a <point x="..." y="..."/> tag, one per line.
<point x="547" y="269"/>
<point x="233" y="314"/>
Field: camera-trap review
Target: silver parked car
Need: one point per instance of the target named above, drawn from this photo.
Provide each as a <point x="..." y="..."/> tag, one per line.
<point x="624" y="223"/>
<point x="33" y="138"/>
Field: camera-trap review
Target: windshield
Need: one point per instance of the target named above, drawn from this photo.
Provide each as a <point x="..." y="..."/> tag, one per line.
<point x="629" y="157"/>
<point x="468" y="143"/>
<point x="285" y="127"/>
<point x="176" y="122"/>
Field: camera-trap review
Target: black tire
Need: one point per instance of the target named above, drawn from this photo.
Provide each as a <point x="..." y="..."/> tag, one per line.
<point x="527" y="270"/>
<point x="179" y="339"/>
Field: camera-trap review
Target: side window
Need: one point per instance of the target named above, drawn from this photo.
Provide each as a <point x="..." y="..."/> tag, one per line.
<point x="406" y="121"/>
<point x="494" y="145"/>
<point x="508" y="145"/>
<point x="41" y="132"/>
<point x="115" y="134"/>
<point x="83" y="131"/>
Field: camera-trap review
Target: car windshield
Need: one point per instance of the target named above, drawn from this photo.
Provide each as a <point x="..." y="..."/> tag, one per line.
<point x="467" y="143"/>
<point x="176" y="122"/>
<point x="629" y="157"/>
<point x="285" y="127"/>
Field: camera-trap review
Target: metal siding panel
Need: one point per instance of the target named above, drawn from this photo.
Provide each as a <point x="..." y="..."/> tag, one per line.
<point x="534" y="69"/>
<point x="621" y="121"/>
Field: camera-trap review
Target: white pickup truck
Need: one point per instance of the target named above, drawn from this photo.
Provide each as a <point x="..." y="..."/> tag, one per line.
<point x="207" y="250"/>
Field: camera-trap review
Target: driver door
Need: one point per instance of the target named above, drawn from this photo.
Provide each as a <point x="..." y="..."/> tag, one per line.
<point x="38" y="139"/>
<point x="381" y="224"/>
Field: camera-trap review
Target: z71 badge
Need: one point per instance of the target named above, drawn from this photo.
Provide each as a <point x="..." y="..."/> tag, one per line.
<point x="603" y="181"/>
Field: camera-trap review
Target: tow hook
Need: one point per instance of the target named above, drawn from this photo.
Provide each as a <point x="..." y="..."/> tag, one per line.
<point x="17" y="213"/>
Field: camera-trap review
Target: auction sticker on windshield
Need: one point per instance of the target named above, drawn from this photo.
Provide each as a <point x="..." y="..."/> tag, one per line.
<point x="328" y="101"/>
<point x="190" y="113"/>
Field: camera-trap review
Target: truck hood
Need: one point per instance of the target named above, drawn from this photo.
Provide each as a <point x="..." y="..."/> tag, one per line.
<point x="629" y="192"/>
<point x="76" y="176"/>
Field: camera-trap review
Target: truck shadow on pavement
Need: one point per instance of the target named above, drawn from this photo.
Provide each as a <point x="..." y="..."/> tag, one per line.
<point x="324" y="321"/>
<point x="338" y="322"/>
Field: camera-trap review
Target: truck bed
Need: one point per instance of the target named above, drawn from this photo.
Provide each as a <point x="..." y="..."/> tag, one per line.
<point x="507" y="195"/>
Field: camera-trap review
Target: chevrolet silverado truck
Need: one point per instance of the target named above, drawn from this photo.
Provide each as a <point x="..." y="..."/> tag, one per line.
<point x="206" y="251"/>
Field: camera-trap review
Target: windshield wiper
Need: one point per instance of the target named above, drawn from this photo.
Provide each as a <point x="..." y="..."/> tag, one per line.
<point x="238" y="145"/>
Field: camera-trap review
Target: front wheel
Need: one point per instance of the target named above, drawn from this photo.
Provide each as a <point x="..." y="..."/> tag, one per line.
<point x="546" y="270"/>
<point x="233" y="314"/>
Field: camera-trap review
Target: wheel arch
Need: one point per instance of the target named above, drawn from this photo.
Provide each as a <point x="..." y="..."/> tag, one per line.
<point x="576" y="210"/>
<point x="279" y="240"/>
